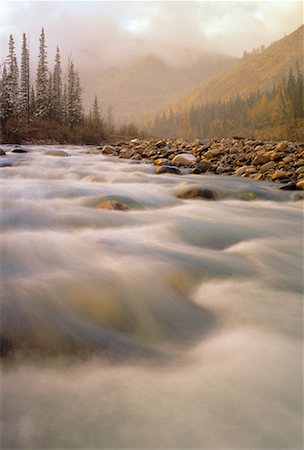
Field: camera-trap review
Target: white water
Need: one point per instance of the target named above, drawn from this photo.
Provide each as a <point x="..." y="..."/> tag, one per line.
<point x="176" y="324"/>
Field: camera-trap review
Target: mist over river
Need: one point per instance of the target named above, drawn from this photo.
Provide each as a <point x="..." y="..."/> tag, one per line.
<point x="176" y="323"/>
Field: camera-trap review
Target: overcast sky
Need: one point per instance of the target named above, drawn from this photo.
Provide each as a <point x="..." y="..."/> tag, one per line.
<point x="103" y="33"/>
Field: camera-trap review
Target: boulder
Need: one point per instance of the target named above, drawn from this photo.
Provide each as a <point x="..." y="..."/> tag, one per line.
<point x="184" y="159"/>
<point x="197" y="193"/>
<point x="108" y="150"/>
<point x="161" y="143"/>
<point x="57" y="153"/>
<point x="212" y="153"/>
<point x="19" y="150"/>
<point x="2" y="152"/>
<point x="126" y="153"/>
<point x="113" y="205"/>
<point x="261" y="159"/>
<point x="167" y="169"/>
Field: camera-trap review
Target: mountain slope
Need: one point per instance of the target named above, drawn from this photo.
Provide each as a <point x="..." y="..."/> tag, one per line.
<point x="257" y="71"/>
<point x="151" y="83"/>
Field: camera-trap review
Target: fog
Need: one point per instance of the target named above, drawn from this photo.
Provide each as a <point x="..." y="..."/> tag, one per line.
<point x="104" y="34"/>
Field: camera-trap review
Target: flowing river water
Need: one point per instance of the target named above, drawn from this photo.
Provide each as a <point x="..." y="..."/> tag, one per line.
<point x="174" y="324"/>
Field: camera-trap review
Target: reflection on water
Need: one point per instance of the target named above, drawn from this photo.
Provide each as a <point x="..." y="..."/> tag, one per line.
<point x="171" y="324"/>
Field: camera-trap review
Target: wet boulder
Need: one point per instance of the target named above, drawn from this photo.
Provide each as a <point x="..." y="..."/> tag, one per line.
<point x="18" y="149"/>
<point x="197" y="193"/>
<point x="113" y="205"/>
<point x="57" y="153"/>
<point x="2" y="152"/>
<point x="168" y="169"/>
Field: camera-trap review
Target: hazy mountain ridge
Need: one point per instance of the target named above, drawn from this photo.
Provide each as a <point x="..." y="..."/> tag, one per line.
<point x="151" y="83"/>
<point x="254" y="72"/>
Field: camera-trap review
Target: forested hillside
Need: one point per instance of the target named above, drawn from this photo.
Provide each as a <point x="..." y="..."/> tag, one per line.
<point x="261" y="96"/>
<point x="274" y="114"/>
<point x="259" y="70"/>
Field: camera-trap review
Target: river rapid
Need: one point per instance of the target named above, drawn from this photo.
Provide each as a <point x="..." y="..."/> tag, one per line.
<point x="174" y="324"/>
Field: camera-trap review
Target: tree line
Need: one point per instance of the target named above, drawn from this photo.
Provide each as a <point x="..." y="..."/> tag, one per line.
<point x="275" y="114"/>
<point x="52" y="98"/>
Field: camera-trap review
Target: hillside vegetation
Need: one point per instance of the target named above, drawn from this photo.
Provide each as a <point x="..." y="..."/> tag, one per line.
<point x="256" y="71"/>
<point x="261" y="96"/>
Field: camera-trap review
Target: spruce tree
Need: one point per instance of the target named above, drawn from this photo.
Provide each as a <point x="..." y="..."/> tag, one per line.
<point x="5" y="110"/>
<point x="57" y="89"/>
<point x="95" y="115"/>
<point x="74" y="101"/>
<point x="25" y="80"/>
<point x="42" y="95"/>
<point x="78" y="101"/>
<point x="32" y="103"/>
<point x="12" y="84"/>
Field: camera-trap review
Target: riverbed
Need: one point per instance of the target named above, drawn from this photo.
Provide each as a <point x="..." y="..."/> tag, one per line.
<point x="173" y="323"/>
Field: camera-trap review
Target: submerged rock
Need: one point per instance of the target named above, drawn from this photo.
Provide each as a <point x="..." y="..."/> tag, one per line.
<point x="113" y="205"/>
<point x="57" y="153"/>
<point x="168" y="169"/>
<point x="19" y="150"/>
<point x="5" y="164"/>
<point x="197" y="192"/>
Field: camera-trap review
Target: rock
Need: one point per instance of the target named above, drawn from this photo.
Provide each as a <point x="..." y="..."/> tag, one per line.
<point x="261" y="159"/>
<point x="136" y="157"/>
<point x="184" y="159"/>
<point x="291" y="186"/>
<point x="2" y="152"/>
<point x="126" y="153"/>
<point x="267" y="166"/>
<point x="300" y="185"/>
<point x="241" y="170"/>
<point x="19" y="150"/>
<point x="168" y="169"/>
<point x="280" y="174"/>
<point x="197" y="192"/>
<point x="161" y="143"/>
<point x="212" y="153"/>
<point x="300" y="170"/>
<point x="5" y="164"/>
<point x="108" y="150"/>
<point x="282" y="146"/>
<point x="113" y="205"/>
<point x="91" y="152"/>
<point x="57" y="153"/>
<point x="276" y="156"/>
<point x="161" y="162"/>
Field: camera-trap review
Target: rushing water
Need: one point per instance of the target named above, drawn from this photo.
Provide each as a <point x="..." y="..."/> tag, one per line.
<point x="175" y="324"/>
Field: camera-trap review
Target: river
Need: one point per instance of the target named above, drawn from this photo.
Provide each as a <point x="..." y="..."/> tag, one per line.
<point x="174" y="324"/>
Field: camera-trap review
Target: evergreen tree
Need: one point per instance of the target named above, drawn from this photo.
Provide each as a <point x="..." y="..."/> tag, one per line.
<point x="51" y="112"/>
<point x="95" y="115"/>
<point x="74" y="101"/>
<point x="65" y="104"/>
<point x="5" y="110"/>
<point x="25" y="80"/>
<point x="42" y="94"/>
<point x="57" y="89"/>
<point x="11" y="81"/>
<point x="32" y="103"/>
<point x="78" y="101"/>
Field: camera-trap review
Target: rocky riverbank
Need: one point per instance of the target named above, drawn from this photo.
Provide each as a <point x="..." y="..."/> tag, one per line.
<point x="280" y="162"/>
